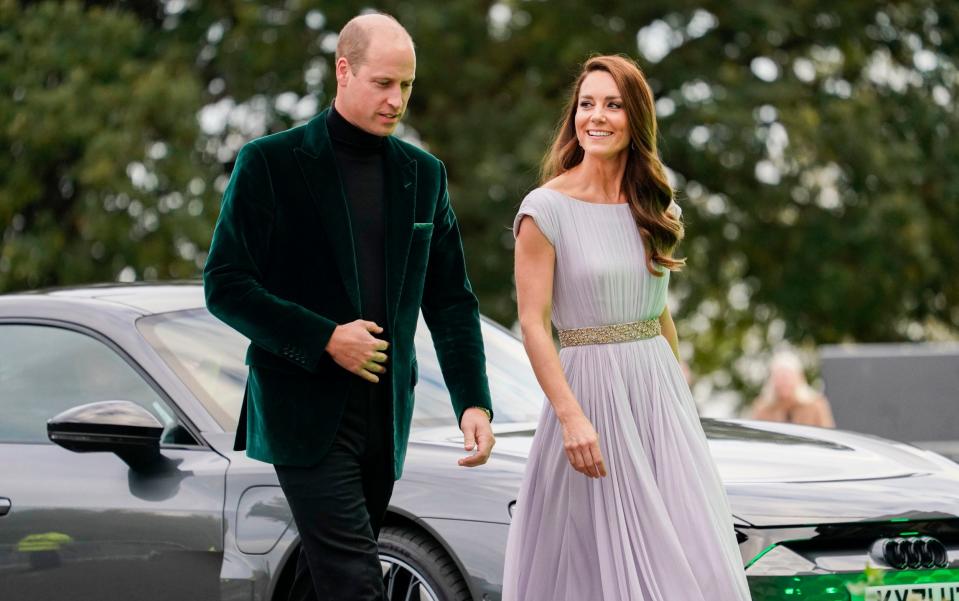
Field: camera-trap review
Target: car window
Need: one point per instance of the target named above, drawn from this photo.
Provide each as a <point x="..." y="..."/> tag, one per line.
<point x="206" y="354"/>
<point x="517" y="397"/>
<point x="209" y="357"/>
<point x="45" y="370"/>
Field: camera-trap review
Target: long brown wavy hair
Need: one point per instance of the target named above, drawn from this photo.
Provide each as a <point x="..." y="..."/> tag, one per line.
<point x="647" y="188"/>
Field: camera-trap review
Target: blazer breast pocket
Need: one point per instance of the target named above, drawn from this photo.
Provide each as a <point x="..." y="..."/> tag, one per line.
<point x="422" y="228"/>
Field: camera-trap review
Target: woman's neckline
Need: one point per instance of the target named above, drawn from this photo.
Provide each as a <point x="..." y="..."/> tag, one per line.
<point x="588" y="202"/>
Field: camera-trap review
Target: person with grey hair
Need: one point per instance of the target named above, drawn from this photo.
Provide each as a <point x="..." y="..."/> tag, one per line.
<point x="332" y="237"/>
<point x="787" y="397"/>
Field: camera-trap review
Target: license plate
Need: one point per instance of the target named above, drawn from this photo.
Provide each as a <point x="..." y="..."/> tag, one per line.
<point x="941" y="591"/>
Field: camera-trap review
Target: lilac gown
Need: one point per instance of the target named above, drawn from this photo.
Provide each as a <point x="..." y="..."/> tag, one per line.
<point x="658" y="527"/>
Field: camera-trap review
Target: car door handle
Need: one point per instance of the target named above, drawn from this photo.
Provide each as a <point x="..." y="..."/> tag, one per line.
<point x="5" y="505"/>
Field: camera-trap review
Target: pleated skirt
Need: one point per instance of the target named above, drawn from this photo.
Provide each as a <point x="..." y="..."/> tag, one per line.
<point x="659" y="526"/>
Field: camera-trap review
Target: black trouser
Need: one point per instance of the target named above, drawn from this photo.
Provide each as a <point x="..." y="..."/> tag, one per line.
<point x="339" y="504"/>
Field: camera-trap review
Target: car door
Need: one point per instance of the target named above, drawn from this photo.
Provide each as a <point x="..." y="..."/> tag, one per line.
<point x="85" y="526"/>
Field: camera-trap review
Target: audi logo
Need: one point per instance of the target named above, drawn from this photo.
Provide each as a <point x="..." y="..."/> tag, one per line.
<point x="911" y="552"/>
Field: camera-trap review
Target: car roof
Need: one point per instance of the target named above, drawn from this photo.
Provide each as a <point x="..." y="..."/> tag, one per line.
<point x="143" y="298"/>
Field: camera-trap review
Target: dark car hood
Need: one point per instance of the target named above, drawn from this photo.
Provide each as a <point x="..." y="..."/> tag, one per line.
<point x="778" y="474"/>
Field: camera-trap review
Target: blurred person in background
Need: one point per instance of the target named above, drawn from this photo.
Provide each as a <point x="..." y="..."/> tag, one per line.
<point x="787" y="397"/>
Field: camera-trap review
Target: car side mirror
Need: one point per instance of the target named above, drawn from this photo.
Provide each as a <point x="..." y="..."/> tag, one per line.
<point x="120" y="427"/>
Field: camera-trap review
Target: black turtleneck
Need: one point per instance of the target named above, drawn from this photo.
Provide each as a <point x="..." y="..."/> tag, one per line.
<point x="359" y="160"/>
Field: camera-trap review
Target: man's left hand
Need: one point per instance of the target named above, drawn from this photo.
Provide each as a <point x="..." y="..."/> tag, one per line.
<point x="477" y="437"/>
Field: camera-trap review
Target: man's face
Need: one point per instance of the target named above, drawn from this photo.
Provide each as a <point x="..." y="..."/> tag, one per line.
<point x="374" y="97"/>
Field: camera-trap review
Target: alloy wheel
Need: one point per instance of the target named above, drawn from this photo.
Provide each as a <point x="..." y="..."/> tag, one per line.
<point x="403" y="582"/>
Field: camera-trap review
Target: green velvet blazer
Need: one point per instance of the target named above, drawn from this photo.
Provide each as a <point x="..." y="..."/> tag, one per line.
<point x="282" y="271"/>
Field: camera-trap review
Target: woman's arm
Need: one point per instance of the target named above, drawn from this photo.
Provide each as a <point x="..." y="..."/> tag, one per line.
<point x="815" y="413"/>
<point x="669" y="331"/>
<point x="826" y="420"/>
<point x="535" y="262"/>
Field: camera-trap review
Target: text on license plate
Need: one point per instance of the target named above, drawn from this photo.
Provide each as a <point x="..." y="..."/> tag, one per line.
<point x="940" y="591"/>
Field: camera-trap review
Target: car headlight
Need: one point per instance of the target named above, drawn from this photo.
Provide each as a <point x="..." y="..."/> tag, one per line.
<point x="777" y="560"/>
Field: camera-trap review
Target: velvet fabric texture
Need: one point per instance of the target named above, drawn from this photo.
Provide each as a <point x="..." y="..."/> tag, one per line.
<point x="282" y="271"/>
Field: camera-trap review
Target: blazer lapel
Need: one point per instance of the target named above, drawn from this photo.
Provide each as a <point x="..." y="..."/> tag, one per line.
<point x="400" y="194"/>
<point x="318" y="166"/>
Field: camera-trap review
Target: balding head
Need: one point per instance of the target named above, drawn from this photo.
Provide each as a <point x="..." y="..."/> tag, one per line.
<point x="375" y="68"/>
<point x="355" y="37"/>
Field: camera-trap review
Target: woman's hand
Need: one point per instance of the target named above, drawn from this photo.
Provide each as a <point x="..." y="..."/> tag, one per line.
<point x="582" y="447"/>
<point x="535" y="264"/>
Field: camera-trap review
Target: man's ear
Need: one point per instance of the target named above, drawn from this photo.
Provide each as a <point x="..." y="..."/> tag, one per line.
<point x="342" y="70"/>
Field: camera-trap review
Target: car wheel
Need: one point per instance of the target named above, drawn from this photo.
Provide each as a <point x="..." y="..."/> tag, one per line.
<point x="417" y="568"/>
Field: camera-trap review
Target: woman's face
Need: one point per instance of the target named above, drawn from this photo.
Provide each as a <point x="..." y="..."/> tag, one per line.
<point x="602" y="127"/>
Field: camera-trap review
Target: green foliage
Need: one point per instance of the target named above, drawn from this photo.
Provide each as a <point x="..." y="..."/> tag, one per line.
<point x="813" y="143"/>
<point x="101" y="174"/>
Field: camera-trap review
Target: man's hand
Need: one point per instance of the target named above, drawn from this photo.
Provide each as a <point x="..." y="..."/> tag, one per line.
<point x="477" y="435"/>
<point x="356" y="350"/>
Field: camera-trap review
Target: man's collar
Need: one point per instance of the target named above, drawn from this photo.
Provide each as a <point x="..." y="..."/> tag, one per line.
<point x="348" y="134"/>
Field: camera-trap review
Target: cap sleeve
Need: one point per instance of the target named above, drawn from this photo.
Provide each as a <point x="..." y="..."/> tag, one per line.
<point x="538" y="205"/>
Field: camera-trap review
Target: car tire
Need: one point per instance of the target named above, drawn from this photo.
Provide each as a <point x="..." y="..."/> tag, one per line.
<point x="413" y="559"/>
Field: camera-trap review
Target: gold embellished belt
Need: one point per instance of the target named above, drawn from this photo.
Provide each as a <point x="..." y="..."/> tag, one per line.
<point x="619" y="332"/>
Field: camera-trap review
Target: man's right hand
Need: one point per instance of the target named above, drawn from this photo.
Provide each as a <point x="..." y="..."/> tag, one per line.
<point x="355" y="349"/>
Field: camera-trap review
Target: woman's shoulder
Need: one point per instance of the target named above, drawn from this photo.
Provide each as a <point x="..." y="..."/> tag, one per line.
<point x="814" y="413"/>
<point x="558" y="185"/>
<point x="555" y="190"/>
<point x="542" y="197"/>
<point x="543" y="205"/>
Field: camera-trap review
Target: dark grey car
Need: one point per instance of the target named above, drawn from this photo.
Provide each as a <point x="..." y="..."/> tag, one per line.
<point x="167" y="510"/>
<point x="201" y="521"/>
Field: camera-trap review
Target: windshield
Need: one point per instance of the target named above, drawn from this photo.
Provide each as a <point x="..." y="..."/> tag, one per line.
<point x="513" y="387"/>
<point x="208" y="356"/>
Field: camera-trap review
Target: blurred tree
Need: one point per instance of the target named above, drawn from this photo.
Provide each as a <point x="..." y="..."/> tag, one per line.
<point x="812" y="143"/>
<point x="100" y="180"/>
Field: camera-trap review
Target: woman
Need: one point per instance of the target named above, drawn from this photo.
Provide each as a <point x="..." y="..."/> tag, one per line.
<point x="787" y="397"/>
<point x="634" y="509"/>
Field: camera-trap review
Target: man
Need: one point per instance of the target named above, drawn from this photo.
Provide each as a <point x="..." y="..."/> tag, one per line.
<point x="331" y="238"/>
